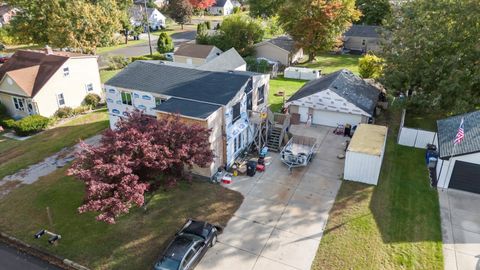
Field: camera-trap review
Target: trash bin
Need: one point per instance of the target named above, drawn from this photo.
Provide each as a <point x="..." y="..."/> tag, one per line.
<point x="251" y="168"/>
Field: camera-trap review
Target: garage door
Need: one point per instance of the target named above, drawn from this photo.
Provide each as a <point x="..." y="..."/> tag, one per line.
<point x="465" y="176"/>
<point x="332" y="119"/>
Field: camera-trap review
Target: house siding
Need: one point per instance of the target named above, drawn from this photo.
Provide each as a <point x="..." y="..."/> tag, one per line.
<point x="184" y="60"/>
<point x="272" y="52"/>
<point x="355" y="43"/>
<point x="82" y="71"/>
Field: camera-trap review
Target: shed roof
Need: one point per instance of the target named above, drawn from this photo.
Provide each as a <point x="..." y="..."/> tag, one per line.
<point x="368" y="139"/>
<point x="194" y="50"/>
<point x="447" y="131"/>
<point x="283" y="42"/>
<point x="186" y="83"/>
<point x="187" y="108"/>
<point x="345" y="84"/>
<point x="220" y="3"/>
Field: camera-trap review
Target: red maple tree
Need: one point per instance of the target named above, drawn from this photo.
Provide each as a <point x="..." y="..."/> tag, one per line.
<point x="128" y="161"/>
<point x="202" y="4"/>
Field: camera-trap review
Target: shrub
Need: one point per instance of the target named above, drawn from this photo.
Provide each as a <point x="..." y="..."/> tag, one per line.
<point x="3" y="110"/>
<point x="92" y="100"/>
<point x="370" y="66"/>
<point x="7" y="123"/>
<point x="208" y="25"/>
<point x="136" y="58"/>
<point x="30" y="125"/>
<point x="117" y="62"/>
<point x="158" y="57"/>
<point x="164" y="43"/>
<point x="81" y="109"/>
<point x="236" y="10"/>
<point x="64" y="112"/>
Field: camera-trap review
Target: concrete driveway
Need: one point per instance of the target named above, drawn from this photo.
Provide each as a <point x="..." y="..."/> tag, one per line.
<point x="460" y="216"/>
<point x="281" y="221"/>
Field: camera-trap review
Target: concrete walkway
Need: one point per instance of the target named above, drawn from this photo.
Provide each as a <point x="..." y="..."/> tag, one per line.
<point x="460" y="217"/>
<point x="281" y="221"/>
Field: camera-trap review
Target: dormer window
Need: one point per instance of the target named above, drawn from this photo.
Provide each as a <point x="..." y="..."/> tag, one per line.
<point x="66" y="71"/>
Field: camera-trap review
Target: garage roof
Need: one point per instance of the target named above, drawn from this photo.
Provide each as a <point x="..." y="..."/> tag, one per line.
<point x="345" y="84"/>
<point x="368" y="139"/>
<point x="447" y="130"/>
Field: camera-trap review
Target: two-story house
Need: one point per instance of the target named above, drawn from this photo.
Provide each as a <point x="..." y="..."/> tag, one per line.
<point x="221" y="101"/>
<point x="41" y="82"/>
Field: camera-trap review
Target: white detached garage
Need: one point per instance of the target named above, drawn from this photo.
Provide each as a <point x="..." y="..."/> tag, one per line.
<point x="363" y="160"/>
<point x="338" y="98"/>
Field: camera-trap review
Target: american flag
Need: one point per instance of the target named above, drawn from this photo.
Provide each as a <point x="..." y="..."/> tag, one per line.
<point x="460" y="134"/>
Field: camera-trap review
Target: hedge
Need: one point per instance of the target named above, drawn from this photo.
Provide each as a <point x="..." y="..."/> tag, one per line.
<point x="30" y="125"/>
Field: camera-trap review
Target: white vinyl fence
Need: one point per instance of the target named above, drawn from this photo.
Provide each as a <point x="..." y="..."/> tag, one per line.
<point x="413" y="137"/>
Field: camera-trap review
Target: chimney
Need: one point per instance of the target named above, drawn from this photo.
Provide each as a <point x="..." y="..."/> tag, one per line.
<point x="48" y="50"/>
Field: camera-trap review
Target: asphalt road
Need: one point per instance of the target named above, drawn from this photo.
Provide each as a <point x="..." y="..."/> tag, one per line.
<point x="12" y="259"/>
<point x="143" y="48"/>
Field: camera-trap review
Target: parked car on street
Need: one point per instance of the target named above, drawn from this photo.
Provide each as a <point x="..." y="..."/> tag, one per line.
<point x="189" y="246"/>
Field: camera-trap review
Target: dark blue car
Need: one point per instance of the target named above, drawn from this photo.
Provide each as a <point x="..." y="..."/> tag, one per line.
<point x="189" y="246"/>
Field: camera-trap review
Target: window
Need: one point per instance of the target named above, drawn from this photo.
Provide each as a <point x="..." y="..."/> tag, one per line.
<point x="19" y="104"/>
<point x="236" y="112"/>
<point x="237" y="143"/>
<point x="249" y="100"/>
<point x="261" y="95"/>
<point x="363" y="42"/>
<point x="188" y="258"/>
<point x="66" y="71"/>
<point x="127" y="98"/>
<point x="61" y="99"/>
<point x="89" y="87"/>
<point x="159" y="101"/>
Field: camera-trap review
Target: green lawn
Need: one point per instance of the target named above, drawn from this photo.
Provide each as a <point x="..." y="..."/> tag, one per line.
<point x="134" y="242"/>
<point x="329" y="63"/>
<point x="289" y="86"/>
<point x="395" y="225"/>
<point x="119" y="46"/>
<point x="106" y="75"/>
<point x="424" y="121"/>
<point x="16" y="155"/>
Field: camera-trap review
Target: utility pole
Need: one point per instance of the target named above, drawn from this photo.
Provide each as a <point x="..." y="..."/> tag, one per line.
<point x="148" y="27"/>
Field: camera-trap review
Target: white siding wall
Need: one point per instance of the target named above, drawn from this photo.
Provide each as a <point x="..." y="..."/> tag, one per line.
<point x="333" y="119"/>
<point x="445" y="168"/>
<point x="82" y="71"/>
<point x="361" y="167"/>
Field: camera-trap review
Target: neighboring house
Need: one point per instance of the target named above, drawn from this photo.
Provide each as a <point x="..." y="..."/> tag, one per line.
<point x="220" y="101"/>
<point x="41" y="82"/>
<point x="158" y="3"/>
<point x="229" y="60"/>
<point x="6" y="14"/>
<point x="281" y="49"/>
<point x="236" y="3"/>
<point x="222" y="8"/>
<point x="337" y="98"/>
<point x="362" y="38"/>
<point x="195" y="54"/>
<point x="156" y="19"/>
<point x="458" y="166"/>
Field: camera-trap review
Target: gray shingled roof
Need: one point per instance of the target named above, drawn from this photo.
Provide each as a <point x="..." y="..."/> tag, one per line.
<point x="213" y="87"/>
<point x="345" y="84"/>
<point x="368" y="31"/>
<point x="220" y="3"/>
<point x="284" y="42"/>
<point x="188" y="108"/>
<point x="447" y="131"/>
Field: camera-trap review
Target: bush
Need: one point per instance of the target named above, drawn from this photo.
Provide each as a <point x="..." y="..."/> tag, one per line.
<point x="64" y="112"/>
<point x="148" y="57"/>
<point x="7" y="123"/>
<point x="117" y="62"/>
<point x="92" y="100"/>
<point x="164" y="43"/>
<point x="370" y="66"/>
<point x="236" y="10"/>
<point x="3" y="110"/>
<point x="81" y="109"/>
<point x="30" y="125"/>
<point x="208" y="25"/>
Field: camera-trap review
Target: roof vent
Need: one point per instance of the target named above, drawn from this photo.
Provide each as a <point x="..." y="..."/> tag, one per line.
<point x="48" y="50"/>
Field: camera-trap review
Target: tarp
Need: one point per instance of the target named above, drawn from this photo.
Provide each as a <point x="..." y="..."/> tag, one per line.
<point x="368" y="139"/>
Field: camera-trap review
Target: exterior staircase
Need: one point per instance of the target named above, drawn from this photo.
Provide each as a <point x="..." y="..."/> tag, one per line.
<point x="275" y="139"/>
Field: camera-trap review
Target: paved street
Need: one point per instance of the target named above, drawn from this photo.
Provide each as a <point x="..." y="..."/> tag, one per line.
<point x="460" y="229"/>
<point x="281" y="220"/>
<point x="11" y="259"/>
<point x="143" y="48"/>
